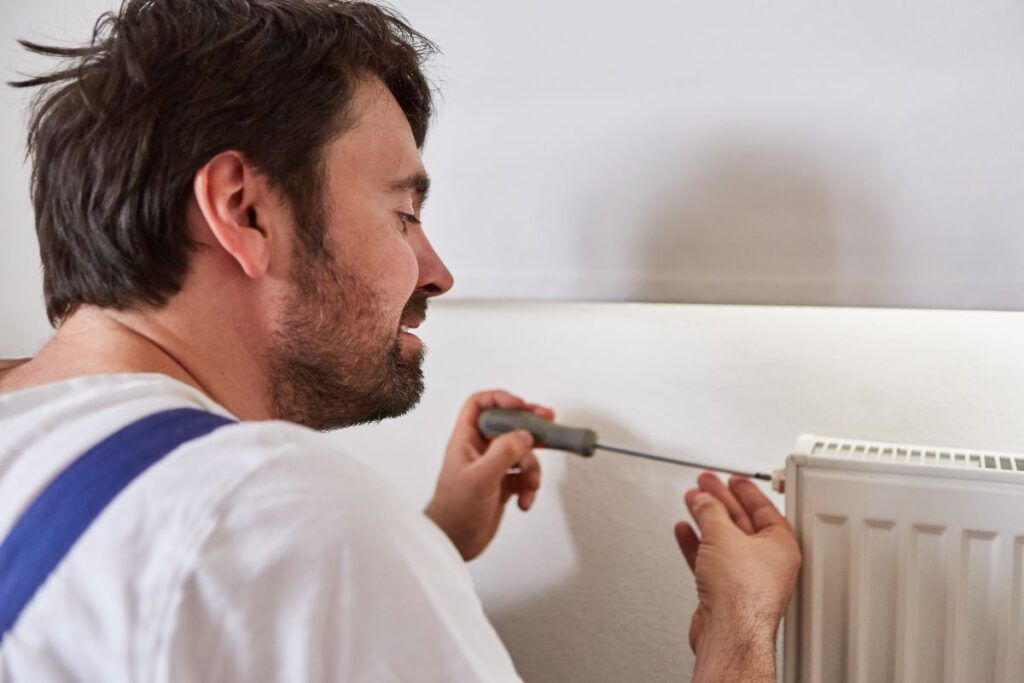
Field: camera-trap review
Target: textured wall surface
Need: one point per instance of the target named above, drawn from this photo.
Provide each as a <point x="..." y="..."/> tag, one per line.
<point x="589" y="585"/>
<point x="855" y="152"/>
<point x="793" y="152"/>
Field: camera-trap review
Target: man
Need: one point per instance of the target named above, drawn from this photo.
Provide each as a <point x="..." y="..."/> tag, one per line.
<point x="228" y="199"/>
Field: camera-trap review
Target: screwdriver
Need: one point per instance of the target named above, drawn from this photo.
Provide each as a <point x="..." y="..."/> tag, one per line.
<point x="577" y="440"/>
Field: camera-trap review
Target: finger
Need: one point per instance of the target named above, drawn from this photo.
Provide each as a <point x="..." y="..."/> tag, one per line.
<point x="543" y="412"/>
<point x="713" y="485"/>
<point x="696" y="627"/>
<point x="526" y="500"/>
<point x="528" y="481"/>
<point x="530" y="471"/>
<point x="688" y="499"/>
<point x="711" y="516"/>
<point x="466" y="424"/>
<point x="524" y="480"/>
<point x="762" y="513"/>
<point x="511" y="448"/>
<point x="507" y="489"/>
<point x="688" y="542"/>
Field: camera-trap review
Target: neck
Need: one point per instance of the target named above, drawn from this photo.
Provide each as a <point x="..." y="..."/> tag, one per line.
<point x="93" y="341"/>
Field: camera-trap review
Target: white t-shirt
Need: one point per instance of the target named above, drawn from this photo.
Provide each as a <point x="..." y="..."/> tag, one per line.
<point x="255" y="553"/>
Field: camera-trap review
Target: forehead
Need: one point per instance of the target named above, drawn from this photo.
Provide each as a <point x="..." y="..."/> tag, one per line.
<point x="378" y="147"/>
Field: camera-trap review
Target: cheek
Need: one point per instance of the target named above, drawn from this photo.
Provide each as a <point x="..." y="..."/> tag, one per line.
<point x="395" y="271"/>
<point x="373" y="250"/>
<point x="405" y="270"/>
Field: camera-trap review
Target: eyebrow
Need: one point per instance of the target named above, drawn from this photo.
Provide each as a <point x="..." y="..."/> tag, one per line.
<point x="418" y="182"/>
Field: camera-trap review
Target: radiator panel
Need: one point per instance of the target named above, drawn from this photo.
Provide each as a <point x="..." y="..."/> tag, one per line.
<point x="875" y="656"/>
<point x="913" y="572"/>
<point x="927" y="606"/>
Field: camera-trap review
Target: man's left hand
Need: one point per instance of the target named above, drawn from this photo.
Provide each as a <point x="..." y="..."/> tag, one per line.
<point x="475" y="483"/>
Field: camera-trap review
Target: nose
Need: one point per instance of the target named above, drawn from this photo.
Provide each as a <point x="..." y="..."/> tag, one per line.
<point x="435" y="279"/>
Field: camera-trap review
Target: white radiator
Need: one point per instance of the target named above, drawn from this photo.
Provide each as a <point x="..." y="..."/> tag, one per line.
<point x="913" y="564"/>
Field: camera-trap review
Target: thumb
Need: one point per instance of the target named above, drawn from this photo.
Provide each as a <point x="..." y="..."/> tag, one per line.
<point x="504" y="452"/>
<point x="711" y="516"/>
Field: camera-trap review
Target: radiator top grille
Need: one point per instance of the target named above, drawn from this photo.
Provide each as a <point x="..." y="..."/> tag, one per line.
<point x="922" y="455"/>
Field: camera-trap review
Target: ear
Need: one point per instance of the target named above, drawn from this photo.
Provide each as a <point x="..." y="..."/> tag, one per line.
<point x="231" y="196"/>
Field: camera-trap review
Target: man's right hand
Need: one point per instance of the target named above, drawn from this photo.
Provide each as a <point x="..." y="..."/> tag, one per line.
<point x="745" y="563"/>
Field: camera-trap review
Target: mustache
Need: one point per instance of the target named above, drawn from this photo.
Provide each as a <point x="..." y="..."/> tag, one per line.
<point x="416" y="307"/>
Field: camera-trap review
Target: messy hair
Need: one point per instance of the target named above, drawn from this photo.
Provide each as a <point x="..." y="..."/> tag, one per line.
<point x="120" y="128"/>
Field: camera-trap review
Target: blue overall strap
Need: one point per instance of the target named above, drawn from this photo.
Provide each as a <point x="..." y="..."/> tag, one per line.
<point x="48" y="529"/>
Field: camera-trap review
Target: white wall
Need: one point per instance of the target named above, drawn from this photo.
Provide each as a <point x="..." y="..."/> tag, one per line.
<point x="23" y="326"/>
<point x="589" y="585"/>
<point x="853" y="152"/>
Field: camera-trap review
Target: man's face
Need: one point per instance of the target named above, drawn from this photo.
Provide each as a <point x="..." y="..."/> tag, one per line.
<point x="341" y="356"/>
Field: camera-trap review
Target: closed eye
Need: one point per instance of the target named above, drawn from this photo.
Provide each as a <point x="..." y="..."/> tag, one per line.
<point x="407" y="218"/>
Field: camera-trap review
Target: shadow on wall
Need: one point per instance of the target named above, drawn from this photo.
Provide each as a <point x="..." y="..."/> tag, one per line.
<point x="763" y="223"/>
<point x="745" y="224"/>
<point x="625" y="614"/>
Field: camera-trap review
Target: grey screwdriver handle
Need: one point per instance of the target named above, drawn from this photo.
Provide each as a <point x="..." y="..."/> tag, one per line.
<point x="498" y="421"/>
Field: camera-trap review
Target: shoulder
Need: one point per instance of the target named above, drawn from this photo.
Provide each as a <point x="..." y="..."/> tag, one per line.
<point x="272" y="463"/>
<point x="284" y="480"/>
<point x="273" y="501"/>
<point x="315" y="562"/>
<point x="279" y="464"/>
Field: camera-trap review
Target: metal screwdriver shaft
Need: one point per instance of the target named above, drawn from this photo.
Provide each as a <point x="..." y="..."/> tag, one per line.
<point x="577" y="440"/>
<point x="685" y="463"/>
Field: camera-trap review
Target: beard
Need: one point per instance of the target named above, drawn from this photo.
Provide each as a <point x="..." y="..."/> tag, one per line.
<point x="337" y="360"/>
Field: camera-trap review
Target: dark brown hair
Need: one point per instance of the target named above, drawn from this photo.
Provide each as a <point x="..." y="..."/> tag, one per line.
<point x="118" y="132"/>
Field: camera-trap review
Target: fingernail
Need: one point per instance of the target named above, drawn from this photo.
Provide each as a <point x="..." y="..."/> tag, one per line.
<point x="702" y="498"/>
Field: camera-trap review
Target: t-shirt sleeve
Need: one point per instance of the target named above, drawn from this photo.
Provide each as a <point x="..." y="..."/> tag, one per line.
<point x="316" y="570"/>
